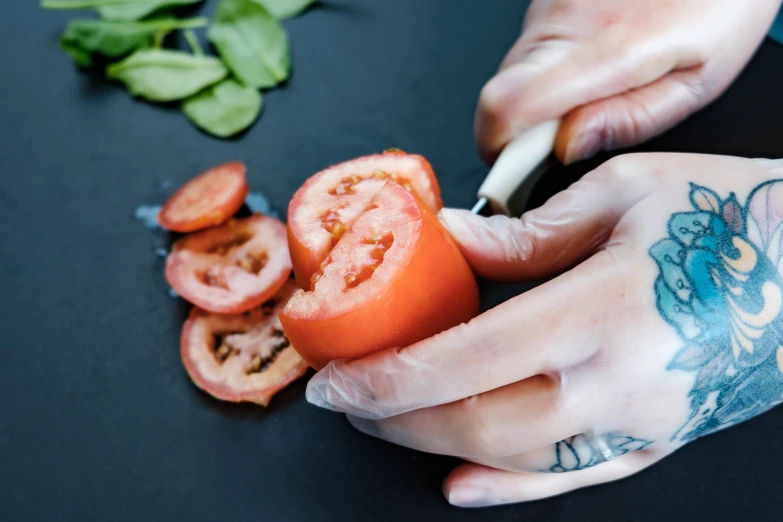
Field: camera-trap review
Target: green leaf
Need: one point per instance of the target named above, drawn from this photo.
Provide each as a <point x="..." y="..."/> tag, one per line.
<point x="283" y="9"/>
<point x="224" y="109"/>
<point x="163" y="75"/>
<point x="83" y="39"/>
<point x="252" y="43"/>
<point x="121" y="10"/>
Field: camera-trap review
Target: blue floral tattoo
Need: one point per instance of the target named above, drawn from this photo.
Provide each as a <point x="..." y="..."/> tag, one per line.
<point x="577" y="452"/>
<point x="720" y="288"/>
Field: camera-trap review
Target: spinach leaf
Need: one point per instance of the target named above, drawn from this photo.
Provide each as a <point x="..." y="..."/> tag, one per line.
<point x="251" y="42"/>
<point x="83" y="39"/>
<point x="224" y="109"/>
<point x="163" y="75"/>
<point x="122" y="10"/>
<point x="283" y="9"/>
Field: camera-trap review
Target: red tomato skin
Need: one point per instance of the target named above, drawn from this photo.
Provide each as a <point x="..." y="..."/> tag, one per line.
<point x="230" y="175"/>
<point x="307" y="261"/>
<point x="434" y="292"/>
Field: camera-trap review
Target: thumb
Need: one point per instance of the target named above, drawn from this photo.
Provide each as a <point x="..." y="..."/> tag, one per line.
<point x="570" y="227"/>
<point x="629" y="118"/>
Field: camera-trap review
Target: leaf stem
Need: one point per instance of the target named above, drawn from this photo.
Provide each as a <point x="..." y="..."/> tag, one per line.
<point x="193" y="42"/>
<point x="83" y="4"/>
<point x="167" y="25"/>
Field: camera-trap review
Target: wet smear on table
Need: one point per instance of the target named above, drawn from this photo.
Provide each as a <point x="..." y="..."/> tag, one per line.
<point x="148" y="215"/>
<point x="257" y="202"/>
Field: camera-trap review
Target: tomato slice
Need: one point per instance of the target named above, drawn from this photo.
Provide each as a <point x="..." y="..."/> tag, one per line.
<point x="231" y="268"/>
<point x="241" y="358"/>
<point x="395" y="278"/>
<point x="207" y="200"/>
<point x="329" y="202"/>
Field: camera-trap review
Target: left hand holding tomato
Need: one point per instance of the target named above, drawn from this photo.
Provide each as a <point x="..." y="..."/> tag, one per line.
<point x="664" y="327"/>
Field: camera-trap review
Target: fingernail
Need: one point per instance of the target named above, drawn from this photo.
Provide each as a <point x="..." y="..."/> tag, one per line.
<point x="469" y="496"/>
<point x="582" y="146"/>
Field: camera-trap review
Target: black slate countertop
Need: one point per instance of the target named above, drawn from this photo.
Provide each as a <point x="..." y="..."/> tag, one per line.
<point x="98" y="420"/>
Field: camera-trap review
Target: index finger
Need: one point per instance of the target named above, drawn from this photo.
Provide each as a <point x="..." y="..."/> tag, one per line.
<point x="544" y="330"/>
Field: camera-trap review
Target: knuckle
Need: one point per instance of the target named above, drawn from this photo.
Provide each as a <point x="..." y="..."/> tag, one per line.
<point x="521" y="244"/>
<point x="620" y="170"/>
<point x="477" y="436"/>
<point x="493" y="101"/>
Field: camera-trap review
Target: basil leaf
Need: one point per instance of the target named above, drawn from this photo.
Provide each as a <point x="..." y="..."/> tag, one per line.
<point x="283" y="9"/>
<point x="224" y="109"/>
<point x="83" y="39"/>
<point x="121" y="10"/>
<point x="163" y="75"/>
<point x="251" y="42"/>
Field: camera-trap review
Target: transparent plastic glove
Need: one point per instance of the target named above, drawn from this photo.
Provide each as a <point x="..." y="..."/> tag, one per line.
<point x="617" y="72"/>
<point x="667" y="327"/>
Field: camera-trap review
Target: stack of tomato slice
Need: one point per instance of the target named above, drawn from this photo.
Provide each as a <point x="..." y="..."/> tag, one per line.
<point x="375" y="267"/>
<point x="237" y="273"/>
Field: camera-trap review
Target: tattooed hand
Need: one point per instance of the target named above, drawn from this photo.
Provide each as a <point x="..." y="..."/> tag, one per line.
<point x="617" y="71"/>
<point x="664" y="325"/>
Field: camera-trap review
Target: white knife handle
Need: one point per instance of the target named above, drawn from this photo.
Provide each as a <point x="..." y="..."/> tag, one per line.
<point x="517" y="161"/>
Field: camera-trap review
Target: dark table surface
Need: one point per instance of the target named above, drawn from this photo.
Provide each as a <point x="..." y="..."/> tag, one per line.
<point x="98" y="420"/>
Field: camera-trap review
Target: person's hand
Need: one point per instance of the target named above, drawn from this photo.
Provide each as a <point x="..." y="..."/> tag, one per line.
<point x="665" y="325"/>
<point x="617" y="72"/>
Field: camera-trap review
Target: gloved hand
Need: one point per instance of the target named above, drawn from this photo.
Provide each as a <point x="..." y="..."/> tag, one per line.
<point x="667" y="327"/>
<point x="617" y="72"/>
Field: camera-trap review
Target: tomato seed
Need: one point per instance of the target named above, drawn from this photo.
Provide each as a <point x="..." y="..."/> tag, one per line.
<point x="252" y="262"/>
<point x="235" y="241"/>
<point x="212" y="278"/>
<point x="381" y="244"/>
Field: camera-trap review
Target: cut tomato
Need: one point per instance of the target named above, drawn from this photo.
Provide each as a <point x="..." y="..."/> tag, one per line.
<point x="394" y="278"/>
<point x="329" y="202"/>
<point x="231" y="268"/>
<point x="241" y="358"/>
<point x="207" y="200"/>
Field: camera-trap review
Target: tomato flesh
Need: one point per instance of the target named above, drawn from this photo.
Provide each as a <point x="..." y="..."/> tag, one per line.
<point x="232" y="268"/>
<point x="329" y="202"/>
<point x="207" y="200"/>
<point x="395" y="278"/>
<point x="241" y="358"/>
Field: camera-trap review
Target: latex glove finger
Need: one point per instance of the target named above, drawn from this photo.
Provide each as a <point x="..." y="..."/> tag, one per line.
<point x="566" y="229"/>
<point x="540" y="331"/>
<point x="629" y="118"/>
<point x="473" y="485"/>
<point x="506" y="421"/>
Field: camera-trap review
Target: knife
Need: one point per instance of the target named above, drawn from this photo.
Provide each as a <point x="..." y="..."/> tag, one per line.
<point x="521" y="164"/>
